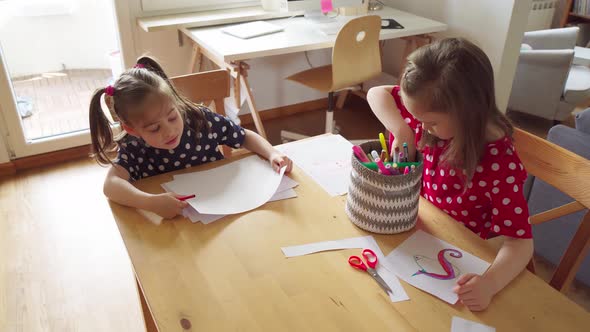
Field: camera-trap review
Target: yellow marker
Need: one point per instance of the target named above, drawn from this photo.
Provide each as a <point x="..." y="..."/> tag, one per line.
<point x="384" y="145"/>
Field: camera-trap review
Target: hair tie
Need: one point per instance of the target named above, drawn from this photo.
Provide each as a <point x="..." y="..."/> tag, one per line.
<point x="139" y="65"/>
<point x="109" y="90"/>
<point x="109" y="100"/>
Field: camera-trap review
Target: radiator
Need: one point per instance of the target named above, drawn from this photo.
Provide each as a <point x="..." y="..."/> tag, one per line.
<point x="541" y="14"/>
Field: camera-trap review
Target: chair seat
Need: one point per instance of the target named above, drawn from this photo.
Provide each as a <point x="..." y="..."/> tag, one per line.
<point x="319" y="78"/>
<point x="577" y="86"/>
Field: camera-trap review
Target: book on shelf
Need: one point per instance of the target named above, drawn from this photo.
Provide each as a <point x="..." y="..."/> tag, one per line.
<point x="581" y="7"/>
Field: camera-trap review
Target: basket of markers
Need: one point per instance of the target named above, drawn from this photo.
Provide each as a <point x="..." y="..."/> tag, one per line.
<point x="384" y="188"/>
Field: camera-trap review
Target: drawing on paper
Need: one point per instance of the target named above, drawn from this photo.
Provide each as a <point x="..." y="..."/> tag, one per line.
<point x="428" y="265"/>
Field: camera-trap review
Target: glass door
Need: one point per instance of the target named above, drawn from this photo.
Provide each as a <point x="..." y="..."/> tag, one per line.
<point x="53" y="55"/>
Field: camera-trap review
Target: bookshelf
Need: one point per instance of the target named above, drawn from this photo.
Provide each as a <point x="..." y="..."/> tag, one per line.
<point x="570" y="17"/>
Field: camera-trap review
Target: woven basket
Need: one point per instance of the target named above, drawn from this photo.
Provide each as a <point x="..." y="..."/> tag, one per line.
<point x="384" y="204"/>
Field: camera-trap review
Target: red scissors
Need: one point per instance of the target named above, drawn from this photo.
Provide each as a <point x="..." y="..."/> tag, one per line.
<point x="371" y="259"/>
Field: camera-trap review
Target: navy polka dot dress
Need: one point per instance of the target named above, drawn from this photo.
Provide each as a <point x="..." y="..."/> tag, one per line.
<point x="142" y="161"/>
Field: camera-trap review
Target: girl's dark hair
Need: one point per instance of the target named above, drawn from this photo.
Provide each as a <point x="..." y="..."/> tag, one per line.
<point x="130" y="90"/>
<point x="455" y="76"/>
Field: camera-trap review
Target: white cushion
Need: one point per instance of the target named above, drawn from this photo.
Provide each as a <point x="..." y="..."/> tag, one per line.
<point x="577" y="86"/>
<point x="582" y="56"/>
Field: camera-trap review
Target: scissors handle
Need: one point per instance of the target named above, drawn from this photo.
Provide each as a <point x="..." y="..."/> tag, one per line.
<point x="370" y="258"/>
<point x="357" y="263"/>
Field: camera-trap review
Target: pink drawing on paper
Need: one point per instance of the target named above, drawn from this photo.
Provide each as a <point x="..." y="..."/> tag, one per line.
<point x="428" y="266"/>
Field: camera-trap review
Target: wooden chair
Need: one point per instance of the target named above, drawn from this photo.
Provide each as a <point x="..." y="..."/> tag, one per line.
<point x="205" y="87"/>
<point x="356" y="58"/>
<point x="569" y="173"/>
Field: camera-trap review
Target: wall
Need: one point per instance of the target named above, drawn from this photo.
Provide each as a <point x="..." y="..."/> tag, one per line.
<point x="37" y="44"/>
<point x="495" y="26"/>
<point x="266" y="76"/>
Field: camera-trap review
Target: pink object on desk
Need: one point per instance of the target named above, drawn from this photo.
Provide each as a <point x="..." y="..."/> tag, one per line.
<point x="327" y="6"/>
<point x="371" y="267"/>
<point x="184" y="198"/>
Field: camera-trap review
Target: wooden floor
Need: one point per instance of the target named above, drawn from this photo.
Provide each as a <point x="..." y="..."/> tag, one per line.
<point x="60" y="100"/>
<point x="64" y="266"/>
<point x="356" y="121"/>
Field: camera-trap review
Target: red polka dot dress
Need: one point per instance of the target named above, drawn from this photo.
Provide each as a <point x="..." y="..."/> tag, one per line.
<point x="493" y="203"/>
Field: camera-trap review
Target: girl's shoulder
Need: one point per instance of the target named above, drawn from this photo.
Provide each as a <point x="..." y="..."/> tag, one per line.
<point x="130" y="142"/>
<point x="501" y="157"/>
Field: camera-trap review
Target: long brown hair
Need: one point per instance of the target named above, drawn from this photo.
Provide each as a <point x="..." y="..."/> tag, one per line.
<point x="130" y="90"/>
<point x="455" y="76"/>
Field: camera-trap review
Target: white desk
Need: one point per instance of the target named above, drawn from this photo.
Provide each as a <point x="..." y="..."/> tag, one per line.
<point x="300" y="34"/>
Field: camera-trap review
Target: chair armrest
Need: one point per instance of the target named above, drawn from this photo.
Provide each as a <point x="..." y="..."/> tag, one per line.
<point x="583" y="121"/>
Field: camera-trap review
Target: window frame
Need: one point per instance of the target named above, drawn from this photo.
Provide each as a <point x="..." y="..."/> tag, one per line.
<point x="182" y="6"/>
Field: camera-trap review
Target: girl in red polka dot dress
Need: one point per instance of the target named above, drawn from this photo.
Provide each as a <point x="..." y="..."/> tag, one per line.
<point x="445" y="107"/>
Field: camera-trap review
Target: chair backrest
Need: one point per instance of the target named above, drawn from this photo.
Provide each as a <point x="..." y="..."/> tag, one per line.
<point x="539" y="81"/>
<point x="569" y="173"/>
<point x="356" y="56"/>
<point x="552" y="39"/>
<point x="206" y="87"/>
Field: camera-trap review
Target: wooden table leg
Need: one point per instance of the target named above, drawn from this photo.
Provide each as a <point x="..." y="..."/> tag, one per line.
<point x="196" y="59"/>
<point x="237" y="89"/>
<point x="243" y="67"/>
<point x="150" y="324"/>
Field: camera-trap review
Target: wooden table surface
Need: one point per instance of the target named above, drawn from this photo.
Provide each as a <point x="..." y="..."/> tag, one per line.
<point x="232" y="275"/>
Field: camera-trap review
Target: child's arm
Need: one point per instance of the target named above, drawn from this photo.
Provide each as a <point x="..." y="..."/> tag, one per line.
<point x="118" y="189"/>
<point x="259" y="145"/>
<point x="476" y="291"/>
<point x="383" y="105"/>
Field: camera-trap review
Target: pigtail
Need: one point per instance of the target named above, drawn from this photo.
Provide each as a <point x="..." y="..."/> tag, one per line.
<point x="100" y="130"/>
<point x="190" y="111"/>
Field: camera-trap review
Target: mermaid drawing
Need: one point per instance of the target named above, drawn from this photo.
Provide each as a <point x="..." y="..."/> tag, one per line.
<point x="427" y="263"/>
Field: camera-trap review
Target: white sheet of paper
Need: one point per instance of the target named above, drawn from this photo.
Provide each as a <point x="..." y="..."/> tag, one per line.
<point x="459" y="324"/>
<point x="312" y="248"/>
<point x="385" y="271"/>
<point x="286" y="182"/>
<point x="229" y="189"/>
<point x="418" y="262"/>
<point x="195" y="216"/>
<point x="325" y="159"/>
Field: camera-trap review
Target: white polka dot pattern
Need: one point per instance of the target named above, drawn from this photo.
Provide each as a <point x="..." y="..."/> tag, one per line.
<point x="134" y="153"/>
<point x="491" y="201"/>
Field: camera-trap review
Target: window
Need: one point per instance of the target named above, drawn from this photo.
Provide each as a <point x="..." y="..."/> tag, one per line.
<point x="168" y="5"/>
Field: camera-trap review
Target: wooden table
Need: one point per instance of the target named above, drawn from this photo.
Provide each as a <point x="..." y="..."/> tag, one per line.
<point x="300" y="35"/>
<point x="232" y="275"/>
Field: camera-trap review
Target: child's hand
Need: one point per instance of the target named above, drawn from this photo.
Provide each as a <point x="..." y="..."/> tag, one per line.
<point x="406" y="136"/>
<point x="278" y="160"/>
<point x="474" y="291"/>
<point x="166" y="205"/>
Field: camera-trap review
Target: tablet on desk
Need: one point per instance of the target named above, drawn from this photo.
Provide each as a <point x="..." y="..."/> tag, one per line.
<point x="252" y="29"/>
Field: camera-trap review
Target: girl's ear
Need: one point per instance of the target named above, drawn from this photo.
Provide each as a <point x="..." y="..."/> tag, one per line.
<point x="130" y="130"/>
